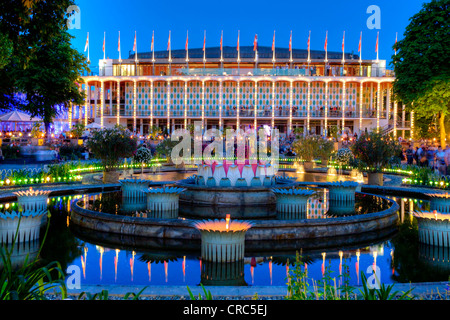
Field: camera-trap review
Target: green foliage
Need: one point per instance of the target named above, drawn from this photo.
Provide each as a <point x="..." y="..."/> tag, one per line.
<point x="311" y="147"/>
<point x="206" y="294"/>
<point x="37" y="130"/>
<point x="326" y="288"/>
<point x="71" y="152"/>
<point x="77" y="130"/>
<point x="298" y="282"/>
<point x="383" y="292"/>
<point x="6" y="50"/>
<point x="421" y="64"/>
<point x="110" y="145"/>
<point x="154" y="131"/>
<point x="102" y="295"/>
<point x="164" y="148"/>
<point x="44" y="66"/>
<point x="10" y="151"/>
<point x="375" y="151"/>
<point x="344" y="156"/>
<point x="143" y="155"/>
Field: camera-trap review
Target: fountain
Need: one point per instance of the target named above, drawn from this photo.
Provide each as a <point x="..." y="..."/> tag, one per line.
<point x="32" y="200"/>
<point x="133" y="188"/>
<point x="242" y="190"/>
<point x="292" y="202"/>
<point x="222" y="241"/>
<point x="342" y="191"/>
<point x="29" y="228"/>
<point x="434" y="228"/>
<point x="163" y="200"/>
<point x="439" y="202"/>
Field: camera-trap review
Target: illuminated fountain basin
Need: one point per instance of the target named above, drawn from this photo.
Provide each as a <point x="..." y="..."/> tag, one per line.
<point x="439" y="202"/>
<point x="132" y="189"/>
<point x="292" y="202"/>
<point x="434" y="228"/>
<point x="286" y="233"/>
<point x="29" y="228"/>
<point x="32" y="200"/>
<point x="162" y="202"/>
<point x="222" y="241"/>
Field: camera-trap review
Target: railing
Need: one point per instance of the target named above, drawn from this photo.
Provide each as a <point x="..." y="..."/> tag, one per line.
<point x="312" y="71"/>
<point x="112" y="112"/>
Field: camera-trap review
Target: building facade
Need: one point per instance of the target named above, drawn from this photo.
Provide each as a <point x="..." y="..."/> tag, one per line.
<point x="226" y="88"/>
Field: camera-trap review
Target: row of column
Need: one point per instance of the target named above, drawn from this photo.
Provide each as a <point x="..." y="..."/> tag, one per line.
<point x="101" y="90"/>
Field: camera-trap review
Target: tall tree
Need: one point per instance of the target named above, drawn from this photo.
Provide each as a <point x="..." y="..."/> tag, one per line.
<point x="421" y="65"/>
<point x="45" y="70"/>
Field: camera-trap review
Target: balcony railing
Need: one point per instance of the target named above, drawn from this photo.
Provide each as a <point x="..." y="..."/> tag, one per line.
<point x="285" y="114"/>
<point x="303" y="71"/>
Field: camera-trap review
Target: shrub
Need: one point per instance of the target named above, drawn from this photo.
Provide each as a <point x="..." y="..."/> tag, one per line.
<point x="313" y="146"/>
<point x="375" y="151"/>
<point x="110" y="145"/>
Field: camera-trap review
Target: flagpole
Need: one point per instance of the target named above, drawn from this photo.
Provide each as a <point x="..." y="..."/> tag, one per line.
<point x="104" y="53"/>
<point x="135" y="47"/>
<point x="170" y="56"/>
<point x="273" y="51"/>
<point x="309" y="52"/>
<point x="343" y="54"/>
<point x="187" y="50"/>
<point x="120" y="58"/>
<point x="360" y="55"/>
<point x="255" y="44"/>
<point x="378" y="33"/>
<point x="238" y="53"/>
<point x="290" y="49"/>
<point x="221" y="50"/>
<point x="204" y="50"/>
<point x="135" y="54"/>
<point x="89" y="60"/>
<point x="326" y="53"/>
<point x="153" y="51"/>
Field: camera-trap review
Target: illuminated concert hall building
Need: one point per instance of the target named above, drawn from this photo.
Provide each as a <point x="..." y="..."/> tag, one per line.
<point x="226" y="88"/>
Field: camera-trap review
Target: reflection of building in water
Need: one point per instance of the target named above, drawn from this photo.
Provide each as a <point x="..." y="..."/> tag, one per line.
<point x="316" y="208"/>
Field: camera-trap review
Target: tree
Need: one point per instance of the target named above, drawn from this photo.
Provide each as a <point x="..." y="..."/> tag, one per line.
<point x="143" y="155"/>
<point x="375" y="151"/>
<point x="111" y="145"/>
<point x="42" y="76"/>
<point x="421" y="64"/>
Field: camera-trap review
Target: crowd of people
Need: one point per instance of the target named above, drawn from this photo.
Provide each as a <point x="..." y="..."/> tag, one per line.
<point x="436" y="158"/>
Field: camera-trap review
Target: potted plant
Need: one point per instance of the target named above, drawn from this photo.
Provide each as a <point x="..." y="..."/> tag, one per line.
<point x="143" y="155"/>
<point x="110" y="145"/>
<point x="164" y="149"/>
<point x="75" y="134"/>
<point x="37" y="134"/>
<point x="326" y="147"/>
<point x="374" y="152"/>
<point x="307" y="148"/>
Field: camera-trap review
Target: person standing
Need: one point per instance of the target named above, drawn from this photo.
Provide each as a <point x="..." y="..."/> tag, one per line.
<point x="409" y="155"/>
<point x="440" y="161"/>
<point x="447" y="159"/>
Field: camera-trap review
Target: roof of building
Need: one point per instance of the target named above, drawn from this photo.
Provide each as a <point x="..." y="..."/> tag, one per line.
<point x="245" y="52"/>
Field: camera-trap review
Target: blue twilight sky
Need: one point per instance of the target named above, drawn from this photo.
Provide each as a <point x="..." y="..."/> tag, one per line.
<point x="250" y="17"/>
